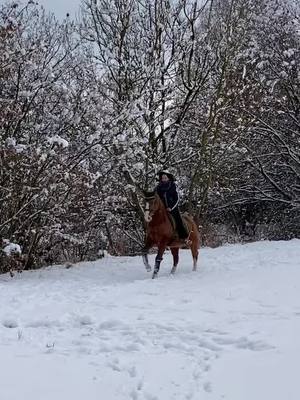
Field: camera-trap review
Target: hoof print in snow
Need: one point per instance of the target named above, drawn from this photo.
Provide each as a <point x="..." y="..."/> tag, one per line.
<point x="85" y="320"/>
<point x="10" y="323"/>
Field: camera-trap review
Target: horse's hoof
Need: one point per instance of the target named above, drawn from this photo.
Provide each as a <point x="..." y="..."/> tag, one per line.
<point x="154" y="276"/>
<point x="148" y="269"/>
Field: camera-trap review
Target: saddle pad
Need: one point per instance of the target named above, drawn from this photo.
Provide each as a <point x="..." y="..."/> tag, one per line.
<point x="185" y="219"/>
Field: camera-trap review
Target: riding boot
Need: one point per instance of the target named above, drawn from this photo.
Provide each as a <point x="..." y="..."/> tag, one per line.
<point x="182" y="233"/>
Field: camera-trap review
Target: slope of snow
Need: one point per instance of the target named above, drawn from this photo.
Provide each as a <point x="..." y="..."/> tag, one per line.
<point x="105" y="330"/>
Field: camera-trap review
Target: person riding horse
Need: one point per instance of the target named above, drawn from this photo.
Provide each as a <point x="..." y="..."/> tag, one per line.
<point x="167" y="191"/>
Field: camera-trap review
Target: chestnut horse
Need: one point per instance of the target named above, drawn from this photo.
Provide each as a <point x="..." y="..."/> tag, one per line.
<point x="161" y="233"/>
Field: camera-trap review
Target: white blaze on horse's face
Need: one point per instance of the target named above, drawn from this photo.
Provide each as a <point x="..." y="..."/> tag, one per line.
<point x="147" y="213"/>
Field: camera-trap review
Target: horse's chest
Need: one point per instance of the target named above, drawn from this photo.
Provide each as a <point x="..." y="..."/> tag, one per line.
<point x="156" y="231"/>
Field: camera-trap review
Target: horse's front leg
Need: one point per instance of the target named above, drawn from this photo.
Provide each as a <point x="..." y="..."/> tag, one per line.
<point x="148" y="245"/>
<point x="158" y="259"/>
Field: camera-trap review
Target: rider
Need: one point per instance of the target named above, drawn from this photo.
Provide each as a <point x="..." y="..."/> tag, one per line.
<point x="166" y="189"/>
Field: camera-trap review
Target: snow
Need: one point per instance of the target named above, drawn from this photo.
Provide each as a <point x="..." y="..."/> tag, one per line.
<point x="56" y="139"/>
<point x="105" y="330"/>
<point x="12" y="248"/>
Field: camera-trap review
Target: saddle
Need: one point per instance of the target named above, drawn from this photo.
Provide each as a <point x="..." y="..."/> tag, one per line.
<point x="185" y="218"/>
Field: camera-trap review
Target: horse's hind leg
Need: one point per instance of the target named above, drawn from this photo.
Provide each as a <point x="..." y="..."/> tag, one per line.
<point x="175" y="253"/>
<point x="146" y="261"/>
<point x="195" y="252"/>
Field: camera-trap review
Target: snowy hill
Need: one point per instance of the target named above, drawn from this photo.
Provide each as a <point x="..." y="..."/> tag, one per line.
<point x="105" y="331"/>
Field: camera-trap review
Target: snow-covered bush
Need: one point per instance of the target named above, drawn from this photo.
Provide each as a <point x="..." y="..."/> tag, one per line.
<point x="10" y="257"/>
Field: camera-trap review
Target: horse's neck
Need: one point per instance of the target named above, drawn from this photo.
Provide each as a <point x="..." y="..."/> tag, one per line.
<point x="161" y="215"/>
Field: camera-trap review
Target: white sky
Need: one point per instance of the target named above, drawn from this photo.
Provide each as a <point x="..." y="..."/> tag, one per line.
<point x="59" y="7"/>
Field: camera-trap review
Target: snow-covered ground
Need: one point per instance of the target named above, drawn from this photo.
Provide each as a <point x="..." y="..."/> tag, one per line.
<point x="105" y="331"/>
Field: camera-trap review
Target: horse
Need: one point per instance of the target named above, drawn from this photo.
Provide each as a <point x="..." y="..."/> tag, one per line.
<point x="160" y="232"/>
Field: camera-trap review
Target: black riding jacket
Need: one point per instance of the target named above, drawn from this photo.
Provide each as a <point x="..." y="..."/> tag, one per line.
<point x="168" y="193"/>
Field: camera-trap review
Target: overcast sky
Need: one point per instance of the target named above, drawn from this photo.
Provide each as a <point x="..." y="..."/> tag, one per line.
<point x="59" y="7"/>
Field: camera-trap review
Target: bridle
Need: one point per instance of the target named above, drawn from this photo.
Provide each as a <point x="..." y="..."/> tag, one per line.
<point x="148" y="214"/>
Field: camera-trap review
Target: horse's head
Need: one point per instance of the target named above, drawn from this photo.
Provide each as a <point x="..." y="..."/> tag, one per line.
<point x="153" y="204"/>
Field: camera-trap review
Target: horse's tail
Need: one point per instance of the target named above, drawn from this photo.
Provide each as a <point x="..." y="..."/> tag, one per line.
<point x="192" y="220"/>
<point x="194" y="227"/>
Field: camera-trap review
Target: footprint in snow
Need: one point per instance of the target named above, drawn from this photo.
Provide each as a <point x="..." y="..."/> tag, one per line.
<point x="207" y="387"/>
<point x="132" y="372"/>
<point x="258" y="345"/>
